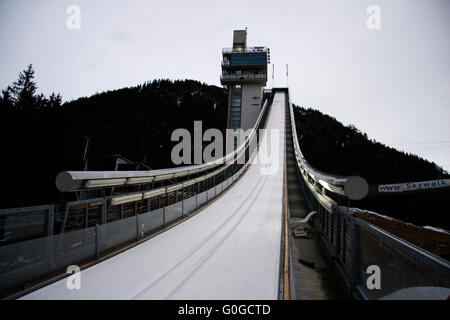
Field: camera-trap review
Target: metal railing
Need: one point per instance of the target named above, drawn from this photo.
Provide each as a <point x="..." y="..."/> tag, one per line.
<point x="20" y="224"/>
<point x="244" y="65"/>
<point x="239" y="77"/>
<point x="25" y="263"/>
<point x="406" y="271"/>
<point x="85" y="180"/>
<point x="244" y="50"/>
<point x="93" y="228"/>
<point x="86" y="213"/>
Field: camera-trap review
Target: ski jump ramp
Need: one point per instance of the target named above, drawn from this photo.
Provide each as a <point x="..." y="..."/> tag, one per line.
<point x="229" y="250"/>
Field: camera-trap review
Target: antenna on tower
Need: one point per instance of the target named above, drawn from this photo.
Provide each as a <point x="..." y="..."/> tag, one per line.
<point x="287" y="76"/>
<point x="273" y="74"/>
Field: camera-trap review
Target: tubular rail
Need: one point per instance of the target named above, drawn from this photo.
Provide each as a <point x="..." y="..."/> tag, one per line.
<point x="317" y="181"/>
<point x="245" y="50"/>
<point x="333" y="183"/>
<point x="67" y="181"/>
<point x="90" y="229"/>
<point x="407" y="271"/>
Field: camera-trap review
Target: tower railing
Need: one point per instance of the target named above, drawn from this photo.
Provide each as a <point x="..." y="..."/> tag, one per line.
<point x="243" y="77"/>
<point x="244" y="50"/>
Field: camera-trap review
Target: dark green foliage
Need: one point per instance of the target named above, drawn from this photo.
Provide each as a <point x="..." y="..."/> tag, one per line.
<point x="41" y="139"/>
<point x="22" y="95"/>
<point x="138" y="122"/>
<point x="331" y="147"/>
<point x="334" y="148"/>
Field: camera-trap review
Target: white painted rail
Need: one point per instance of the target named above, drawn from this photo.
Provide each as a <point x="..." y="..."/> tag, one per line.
<point x="230" y="250"/>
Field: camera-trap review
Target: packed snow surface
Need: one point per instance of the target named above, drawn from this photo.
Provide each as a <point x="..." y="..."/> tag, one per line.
<point x="230" y="250"/>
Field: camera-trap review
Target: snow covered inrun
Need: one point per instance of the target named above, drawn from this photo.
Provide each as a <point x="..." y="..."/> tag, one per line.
<point x="230" y="250"/>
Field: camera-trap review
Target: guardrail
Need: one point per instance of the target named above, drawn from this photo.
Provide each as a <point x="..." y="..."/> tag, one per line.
<point x="406" y="271"/>
<point x="89" y="212"/>
<point x="102" y="225"/>
<point x="99" y="208"/>
<point x="24" y="263"/>
<point x="20" y="224"/>
<point x="239" y="77"/>
<point x="245" y="50"/>
<point x="84" y="180"/>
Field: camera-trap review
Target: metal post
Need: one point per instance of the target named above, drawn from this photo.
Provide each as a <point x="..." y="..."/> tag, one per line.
<point x="97" y="241"/>
<point x="86" y="215"/>
<point x="66" y="212"/>
<point x="338" y="234"/>
<point x="137" y="227"/>
<point x="328" y="224"/>
<point x="104" y="208"/>
<point x="342" y="237"/>
<point x="196" y="200"/>
<point x="355" y="249"/>
<point x="182" y="203"/>
<point x="50" y="249"/>
<point x="164" y="216"/>
<point x="50" y="220"/>
<point x="332" y="235"/>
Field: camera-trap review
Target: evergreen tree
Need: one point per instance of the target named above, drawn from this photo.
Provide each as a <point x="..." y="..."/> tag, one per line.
<point x="6" y="100"/>
<point x="24" y="90"/>
<point x="22" y="95"/>
<point x="54" y="101"/>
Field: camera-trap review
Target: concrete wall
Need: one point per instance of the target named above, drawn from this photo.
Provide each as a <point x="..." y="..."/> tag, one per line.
<point x="251" y="105"/>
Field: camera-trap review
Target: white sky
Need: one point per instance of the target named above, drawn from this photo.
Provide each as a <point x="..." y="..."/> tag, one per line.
<point x="392" y="83"/>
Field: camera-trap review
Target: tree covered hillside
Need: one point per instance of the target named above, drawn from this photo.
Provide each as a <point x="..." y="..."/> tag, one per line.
<point x="330" y="146"/>
<point x="42" y="136"/>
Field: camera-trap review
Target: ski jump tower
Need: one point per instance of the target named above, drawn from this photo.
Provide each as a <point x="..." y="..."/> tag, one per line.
<point x="244" y="74"/>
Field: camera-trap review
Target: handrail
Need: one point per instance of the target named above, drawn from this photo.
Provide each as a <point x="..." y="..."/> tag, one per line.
<point x="245" y="50"/>
<point x="335" y="183"/>
<point x="243" y="76"/>
<point x="132" y="197"/>
<point x="67" y="181"/>
<point x="331" y="182"/>
<point x="340" y="229"/>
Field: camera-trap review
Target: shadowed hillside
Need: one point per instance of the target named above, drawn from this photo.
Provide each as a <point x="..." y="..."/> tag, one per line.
<point x="330" y="146"/>
<point x="43" y="136"/>
<point x="40" y="138"/>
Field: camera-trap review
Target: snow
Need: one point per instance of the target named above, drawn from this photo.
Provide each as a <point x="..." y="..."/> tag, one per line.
<point x="372" y="213"/>
<point x="419" y="293"/>
<point x="436" y="229"/>
<point x="230" y="250"/>
<point x="393" y="219"/>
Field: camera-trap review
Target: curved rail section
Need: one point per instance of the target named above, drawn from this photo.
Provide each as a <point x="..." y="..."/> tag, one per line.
<point x="85" y="180"/>
<point x="230" y="250"/>
<point x="87" y="230"/>
<point x="404" y="270"/>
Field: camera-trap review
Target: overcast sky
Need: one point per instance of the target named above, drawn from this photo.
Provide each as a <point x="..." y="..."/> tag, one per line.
<point x="392" y="83"/>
